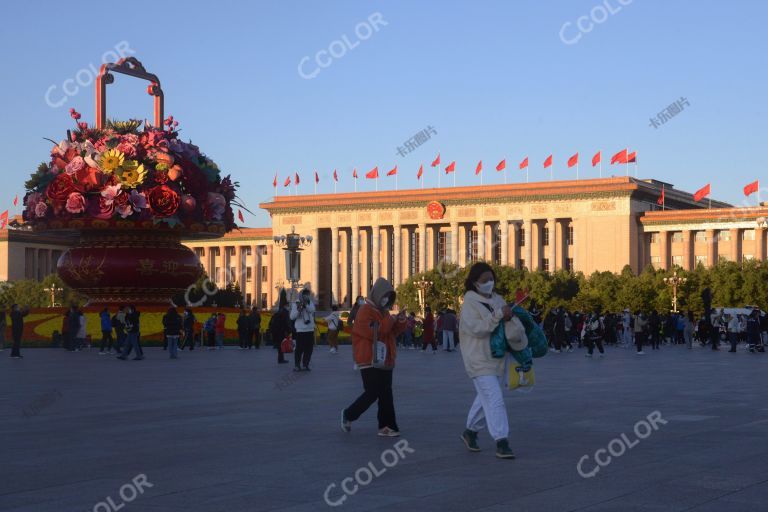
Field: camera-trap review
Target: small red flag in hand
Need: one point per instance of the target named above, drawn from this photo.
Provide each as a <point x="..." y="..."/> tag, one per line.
<point x="596" y="159"/>
<point x="373" y="173"/>
<point x="240" y="215"/>
<point x="436" y="161"/>
<point x="420" y="173"/>
<point x="451" y="167"/>
<point x="620" y="157"/>
<point x="501" y="165"/>
<point x="524" y="163"/>
<point x="479" y="168"/>
<point x="392" y="172"/>
<point x="660" y="201"/>
<point x="573" y="160"/>
<point x="752" y="188"/>
<point x="548" y="161"/>
<point x="702" y="192"/>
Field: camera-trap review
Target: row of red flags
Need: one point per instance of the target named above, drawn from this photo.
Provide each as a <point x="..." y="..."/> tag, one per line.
<point x="4" y="215"/>
<point x="622" y="157"/>
<point x="706" y="190"/>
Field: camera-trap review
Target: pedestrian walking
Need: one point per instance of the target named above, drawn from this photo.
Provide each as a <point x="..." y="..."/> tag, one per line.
<point x="690" y="324"/>
<point x="255" y="328"/>
<point x="640" y="331"/>
<point x="221" y="320"/>
<point x="375" y="324"/>
<point x="333" y="321"/>
<point x="132" y="332"/>
<point x="106" y="331"/>
<point x="593" y="334"/>
<point x="210" y="331"/>
<point x="449" y="327"/>
<point x="172" y="326"/>
<point x="732" y="330"/>
<point x="82" y="333"/>
<point x="3" y="326"/>
<point x="280" y="325"/>
<point x="118" y="323"/>
<point x="17" y="329"/>
<point x="429" y="331"/>
<point x="754" y="336"/>
<point x="243" y="329"/>
<point x="481" y="312"/>
<point x="188" y="322"/>
<point x="303" y="316"/>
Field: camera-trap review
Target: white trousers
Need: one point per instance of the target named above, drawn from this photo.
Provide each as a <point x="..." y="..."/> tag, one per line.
<point x="448" y="340"/>
<point x="488" y="409"/>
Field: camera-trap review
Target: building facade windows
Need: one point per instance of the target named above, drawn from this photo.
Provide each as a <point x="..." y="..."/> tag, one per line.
<point x="748" y="234"/>
<point x="471" y="246"/>
<point x="700" y="236"/>
<point x="677" y="237"/>
<point x="545" y="264"/>
<point x="545" y="237"/>
<point x="677" y="261"/>
<point x="522" y="237"/>
<point x="701" y="260"/>
<point x="569" y="235"/>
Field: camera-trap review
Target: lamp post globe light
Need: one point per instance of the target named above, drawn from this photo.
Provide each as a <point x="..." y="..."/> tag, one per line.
<point x="674" y="282"/>
<point x="53" y="290"/>
<point x="422" y="286"/>
<point x="293" y="244"/>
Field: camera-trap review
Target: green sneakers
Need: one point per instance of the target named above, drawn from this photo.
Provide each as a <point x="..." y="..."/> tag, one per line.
<point x="470" y="440"/>
<point x="503" y="451"/>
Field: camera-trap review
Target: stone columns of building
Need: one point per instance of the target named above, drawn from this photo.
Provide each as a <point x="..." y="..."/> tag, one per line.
<point x="240" y="272"/>
<point x="422" y="247"/>
<point x="334" y="265"/>
<point x="514" y="255"/>
<point x="355" y="262"/>
<point x="480" y="240"/>
<point x="664" y="256"/>
<point x="528" y="227"/>
<point x="375" y="252"/>
<point x="711" y="248"/>
<point x="688" y="249"/>
<point x="365" y="262"/>
<point x="760" y="244"/>
<point x="397" y="234"/>
<point x="255" y="277"/>
<point x="271" y="298"/>
<point x="504" y="241"/>
<point x="315" y="278"/>
<point x="553" y="245"/>
<point x="735" y="244"/>
<point x="454" y="242"/>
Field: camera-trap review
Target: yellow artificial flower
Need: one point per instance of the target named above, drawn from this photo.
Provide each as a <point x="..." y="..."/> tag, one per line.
<point x="111" y="160"/>
<point x="132" y="174"/>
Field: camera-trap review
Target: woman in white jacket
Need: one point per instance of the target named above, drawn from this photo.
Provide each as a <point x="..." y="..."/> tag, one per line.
<point x="481" y="312"/>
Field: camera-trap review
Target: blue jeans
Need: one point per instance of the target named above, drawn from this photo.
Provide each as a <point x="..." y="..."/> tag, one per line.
<point x="173" y="346"/>
<point x="132" y="343"/>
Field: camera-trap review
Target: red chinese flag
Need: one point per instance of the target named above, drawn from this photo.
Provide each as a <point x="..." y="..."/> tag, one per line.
<point x="274" y="182"/>
<point x="573" y="160"/>
<point x="317" y="178"/>
<point x="632" y="157"/>
<point x="702" y="192"/>
<point x="501" y="165"/>
<point x="335" y="176"/>
<point x="297" y="180"/>
<point x="3" y="219"/>
<point x="596" y="159"/>
<point x="620" y="157"/>
<point x="392" y="172"/>
<point x="524" y="163"/>
<point x="354" y="173"/>
<point x="436" y="161"/>
<point x="287" y="181"/>
<point x="16" y="200"/>
<point x="420" y="173"/>
<point x="451" y="167"/>
<point x="479" y="168"/>
<point x="548" y="161"/>
<point x="373" y="173"/>
<point x="240" y="215"/>
<point x="752" y="188"/>
<point x="660" y="200"/>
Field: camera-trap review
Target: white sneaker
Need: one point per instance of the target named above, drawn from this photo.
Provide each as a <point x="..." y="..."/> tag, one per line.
<point x="641" y="353"/>
<point x="587" y="355"/>
<point x="388" y="432"/>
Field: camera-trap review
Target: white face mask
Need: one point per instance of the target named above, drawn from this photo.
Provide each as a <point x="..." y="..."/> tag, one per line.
<point x="485" y="288"/>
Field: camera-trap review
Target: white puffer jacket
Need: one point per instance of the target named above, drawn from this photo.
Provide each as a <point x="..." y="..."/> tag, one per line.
<point x="476" y="324"/>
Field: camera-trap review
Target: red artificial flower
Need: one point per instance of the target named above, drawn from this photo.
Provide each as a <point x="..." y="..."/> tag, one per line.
<point x="59" y="189"/>
<point x="88" y="178"/>
<point x="163" y="201"/>
<point x="100" y="207"/>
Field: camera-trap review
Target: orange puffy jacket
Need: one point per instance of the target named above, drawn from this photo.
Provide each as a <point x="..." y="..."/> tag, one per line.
<point x="389" y="327"/>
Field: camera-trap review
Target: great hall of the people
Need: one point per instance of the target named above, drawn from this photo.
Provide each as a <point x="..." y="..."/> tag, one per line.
<point x="585" y="225"/>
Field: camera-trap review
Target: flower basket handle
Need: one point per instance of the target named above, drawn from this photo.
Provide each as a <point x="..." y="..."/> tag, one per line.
<point x="127" y="66"/>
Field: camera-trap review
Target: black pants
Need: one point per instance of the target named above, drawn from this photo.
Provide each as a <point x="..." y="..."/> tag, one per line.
<point x="655" y="340"/>
<point x="426" y="343"/>
<point x="245" y="339"/>
<point x="106" y="340"/>
<point x="639" y="338"/>
<point x="280" y="353"/>
<point x="257" y="338"/>
<point x="734" y="339"/>
<point x="591" y="342"/>
<point x="377" y="385"/>
<point x="16" y="349"/>
<point x="305" y="344"/>
<point x="189" y="339"/>
<point x="715" y="338"/>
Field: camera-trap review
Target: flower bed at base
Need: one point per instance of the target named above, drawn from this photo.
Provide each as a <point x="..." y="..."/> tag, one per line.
<point x="41" y="323"/>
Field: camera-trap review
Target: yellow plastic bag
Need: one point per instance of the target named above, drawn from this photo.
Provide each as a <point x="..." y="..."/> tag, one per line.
<point x="517" y="379"/>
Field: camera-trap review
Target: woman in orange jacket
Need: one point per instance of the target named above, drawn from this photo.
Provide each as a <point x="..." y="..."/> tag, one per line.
<point x="377" y="382"/>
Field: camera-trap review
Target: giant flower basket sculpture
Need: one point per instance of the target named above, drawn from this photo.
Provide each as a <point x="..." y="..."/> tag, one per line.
<point x="129" y="193"/>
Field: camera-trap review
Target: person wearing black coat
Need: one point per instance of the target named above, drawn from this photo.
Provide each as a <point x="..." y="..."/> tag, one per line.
<point x="255" y="335"/>
<point x="132" y="330"/>
<point x="17" y="329"/>
<point x="172" y="325"/>
<point x="280" y="326"/>
<point x="243" y="329"/>
<point x="189" y="329"/>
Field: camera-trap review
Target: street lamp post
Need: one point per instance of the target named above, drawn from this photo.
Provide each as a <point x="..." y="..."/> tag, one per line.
<point x="53" y="290"/>
<point x="674" y="282"/>
<point x="293" y="244"/>
<point x="422" y="286"/>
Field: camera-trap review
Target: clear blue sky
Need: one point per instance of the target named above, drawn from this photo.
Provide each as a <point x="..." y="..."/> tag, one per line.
<point x="494" y="78"/>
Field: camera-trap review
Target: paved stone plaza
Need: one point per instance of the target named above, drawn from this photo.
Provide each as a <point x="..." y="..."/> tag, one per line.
<point x="231" y="431"/>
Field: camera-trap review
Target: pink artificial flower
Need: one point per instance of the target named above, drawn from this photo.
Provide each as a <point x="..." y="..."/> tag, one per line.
<point x="77" y="164"/>
<point x="32" y="199"/>
<point x="75" y="203"/>
<point x="216" y="205"/>
<point x="41" y="209"/>
<point x="110" y="192"/>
